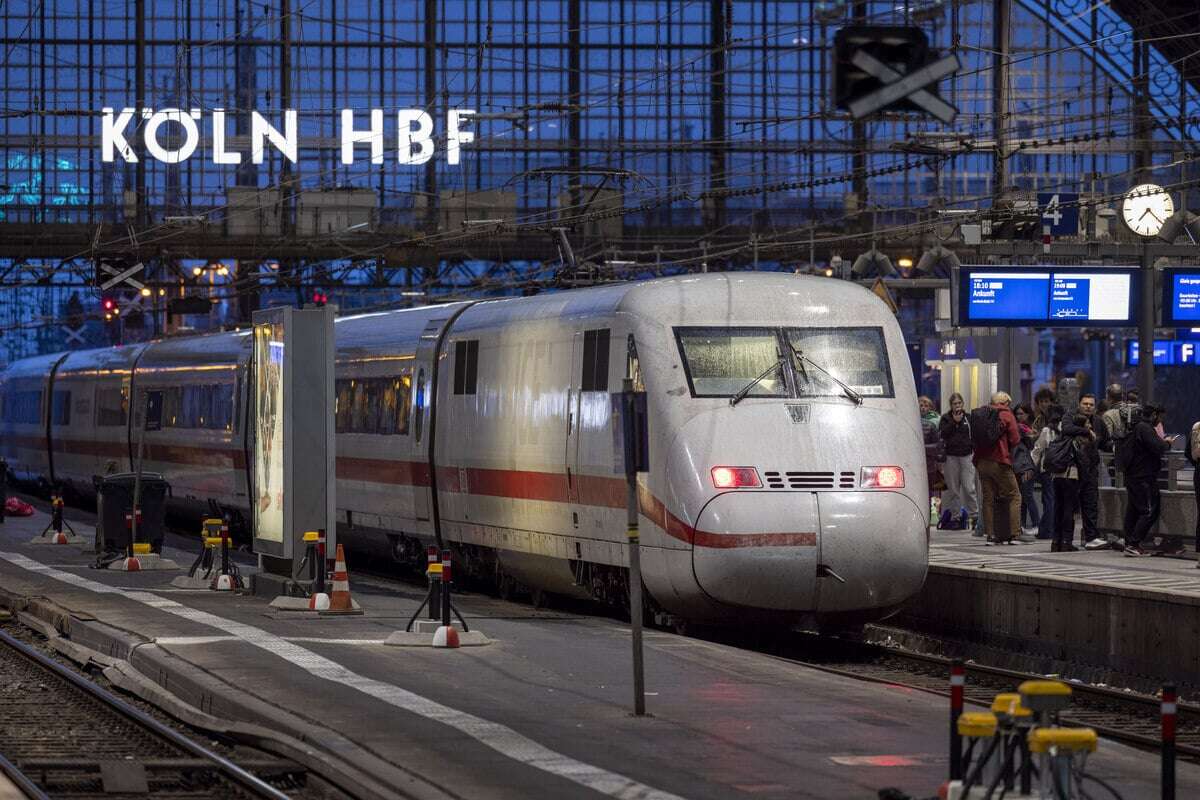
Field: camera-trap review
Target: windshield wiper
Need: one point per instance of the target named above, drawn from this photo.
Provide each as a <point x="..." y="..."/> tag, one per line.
<point x="745" y="390"/>
<point x="801" y="358"/>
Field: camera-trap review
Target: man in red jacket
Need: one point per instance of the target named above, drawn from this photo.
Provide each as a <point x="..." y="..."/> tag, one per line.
<point x="1001" y="494"/>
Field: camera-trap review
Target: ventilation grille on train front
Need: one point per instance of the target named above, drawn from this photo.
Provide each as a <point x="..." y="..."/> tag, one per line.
<point x="809" y="480"/>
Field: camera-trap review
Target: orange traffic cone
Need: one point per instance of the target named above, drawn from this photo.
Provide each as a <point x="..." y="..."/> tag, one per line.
<point x="339" y="598"/>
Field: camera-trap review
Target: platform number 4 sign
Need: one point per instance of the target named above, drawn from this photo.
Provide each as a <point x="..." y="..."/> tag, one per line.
<point x="1060" y="212"/>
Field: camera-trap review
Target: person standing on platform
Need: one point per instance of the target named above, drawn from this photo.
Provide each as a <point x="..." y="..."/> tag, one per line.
<point x="1060" y="450"/>
<point x="994" y="433"/>
<point x="1026" y="471"/>
<point x="1089" y="478"/>
<point x="928" y="410"/>
<point x="1140" y="457"/>
<point x="1192" y="453"/>
<point x="1043" y="401"/>
<point x="960" y="503"/>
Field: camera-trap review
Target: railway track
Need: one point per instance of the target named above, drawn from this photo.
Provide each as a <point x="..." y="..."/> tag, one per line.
<point x="64" y="736"/>
<point x="1123" y="716"/>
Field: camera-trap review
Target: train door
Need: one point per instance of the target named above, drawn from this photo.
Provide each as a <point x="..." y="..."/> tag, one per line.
<point x="571" y="453"/>
<point x="422" y="400"/>
<point x="589" y="417"/>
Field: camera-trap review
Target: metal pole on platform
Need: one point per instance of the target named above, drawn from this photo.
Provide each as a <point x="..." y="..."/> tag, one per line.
<point x="629" y="424"/>
<point x="1146" y="329"/>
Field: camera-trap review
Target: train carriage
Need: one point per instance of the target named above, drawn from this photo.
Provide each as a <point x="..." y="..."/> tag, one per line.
<point x="201" y="445"/>
<point x="92" y="436"/>
<point x="787" y="469"/>
<point x="25" y="398"/>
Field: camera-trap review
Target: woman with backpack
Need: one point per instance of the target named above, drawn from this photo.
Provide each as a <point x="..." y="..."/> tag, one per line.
<point x="1058" y="450"/>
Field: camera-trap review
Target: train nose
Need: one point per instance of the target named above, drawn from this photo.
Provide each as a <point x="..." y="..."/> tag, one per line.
<point x="758" y="549"/>
<point x="878" y="544"/>
<point x="829" y="552"/>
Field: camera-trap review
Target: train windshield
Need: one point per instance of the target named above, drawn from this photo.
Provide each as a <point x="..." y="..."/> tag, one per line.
<point x="720" y="362"/>
<point x="855" y="356"/>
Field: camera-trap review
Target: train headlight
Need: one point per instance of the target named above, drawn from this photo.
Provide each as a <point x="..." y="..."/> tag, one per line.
<point x="735" y="478"/>
<point x="882" y="478"/>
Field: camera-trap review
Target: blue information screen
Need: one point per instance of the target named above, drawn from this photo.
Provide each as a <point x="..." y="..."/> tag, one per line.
<point x="1008" y="295"/>
<point x="1049" y="296"/>
<point x="1167" y="353"/>
<point x="1185" y="297"/>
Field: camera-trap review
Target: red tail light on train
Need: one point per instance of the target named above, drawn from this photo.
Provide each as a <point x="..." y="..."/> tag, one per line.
<point x="735" y="478"/>
<point x="882" y="478"/>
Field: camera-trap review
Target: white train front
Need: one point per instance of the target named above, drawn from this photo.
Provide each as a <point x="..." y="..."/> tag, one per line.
<point x="805" y="500"/>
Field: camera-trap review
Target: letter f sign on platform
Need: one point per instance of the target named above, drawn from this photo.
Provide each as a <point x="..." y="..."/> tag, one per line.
<point x="112" y="135"/>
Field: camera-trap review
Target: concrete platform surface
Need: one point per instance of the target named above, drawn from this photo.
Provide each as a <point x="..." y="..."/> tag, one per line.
<point x="1175" y="575"/>
<point x="542" y="711"/>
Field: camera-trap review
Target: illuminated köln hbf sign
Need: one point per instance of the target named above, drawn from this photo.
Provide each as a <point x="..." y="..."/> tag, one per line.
<point x="414" y="135"/>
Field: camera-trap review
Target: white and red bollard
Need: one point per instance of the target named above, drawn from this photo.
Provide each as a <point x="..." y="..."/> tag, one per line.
<point x="446" y="635"/>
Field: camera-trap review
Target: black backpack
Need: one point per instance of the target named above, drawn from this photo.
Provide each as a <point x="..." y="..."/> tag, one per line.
<point x="1059" y="455"/>
<point x="986" y="427"/>
<point x="1123" y="455"/>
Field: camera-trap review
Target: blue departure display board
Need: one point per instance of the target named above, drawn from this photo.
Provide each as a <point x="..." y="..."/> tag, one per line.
<point x="1048" y="296"/>
<point x="1181" y="297"/>
<point x="1006" y="295"/>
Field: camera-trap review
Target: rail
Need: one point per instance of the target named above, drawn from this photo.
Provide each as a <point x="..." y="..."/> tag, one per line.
<point x="221" y="765"/>
<point x="1118" y="715"/>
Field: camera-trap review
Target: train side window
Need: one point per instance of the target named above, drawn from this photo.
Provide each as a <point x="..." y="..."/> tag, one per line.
<point x="358" y="406"/>
<point x="172" y="414"/>
<point x="111" y="407"/>
<point x="595" y="361"/>
<point x="466" y="366"/>
<point x="23" y="408"/>
<point x="342" y="406"/>
<point x="385" y="423"/>
<point x="60" y="413"/>
<point x="419" y="405"/>
<point x="403" y="399"/>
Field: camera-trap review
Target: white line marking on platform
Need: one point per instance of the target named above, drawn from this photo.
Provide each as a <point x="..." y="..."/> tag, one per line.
<point x="500" y="738"/>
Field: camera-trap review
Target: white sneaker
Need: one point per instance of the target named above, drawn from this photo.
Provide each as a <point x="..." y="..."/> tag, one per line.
<point x="1029" y="531"/>
<point x="1097" y="544"/>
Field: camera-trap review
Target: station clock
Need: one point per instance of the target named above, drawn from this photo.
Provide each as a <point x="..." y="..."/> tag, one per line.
<point x="1146" y="208"/>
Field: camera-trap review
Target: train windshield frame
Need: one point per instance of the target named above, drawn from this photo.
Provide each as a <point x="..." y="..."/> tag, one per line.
<point x="856" y="355"/>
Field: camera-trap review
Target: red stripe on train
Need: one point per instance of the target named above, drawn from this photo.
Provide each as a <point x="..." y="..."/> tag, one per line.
<point x="588" y="490"/>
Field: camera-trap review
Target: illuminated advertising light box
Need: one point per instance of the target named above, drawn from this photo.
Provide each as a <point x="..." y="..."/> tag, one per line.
<point x="292" y="476"/>
<point x="1047" y="296"/>
<point x="1181" y="297"/>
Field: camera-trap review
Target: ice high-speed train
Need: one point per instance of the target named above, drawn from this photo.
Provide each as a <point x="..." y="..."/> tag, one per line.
<point x="787" y="471"/>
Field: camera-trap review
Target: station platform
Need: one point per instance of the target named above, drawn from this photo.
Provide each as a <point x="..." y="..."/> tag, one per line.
<point x="542" y="711"/>
<point x="1097" y="616"/>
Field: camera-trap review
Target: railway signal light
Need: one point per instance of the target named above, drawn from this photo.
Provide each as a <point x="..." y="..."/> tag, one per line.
<point x="319" y="299"/>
